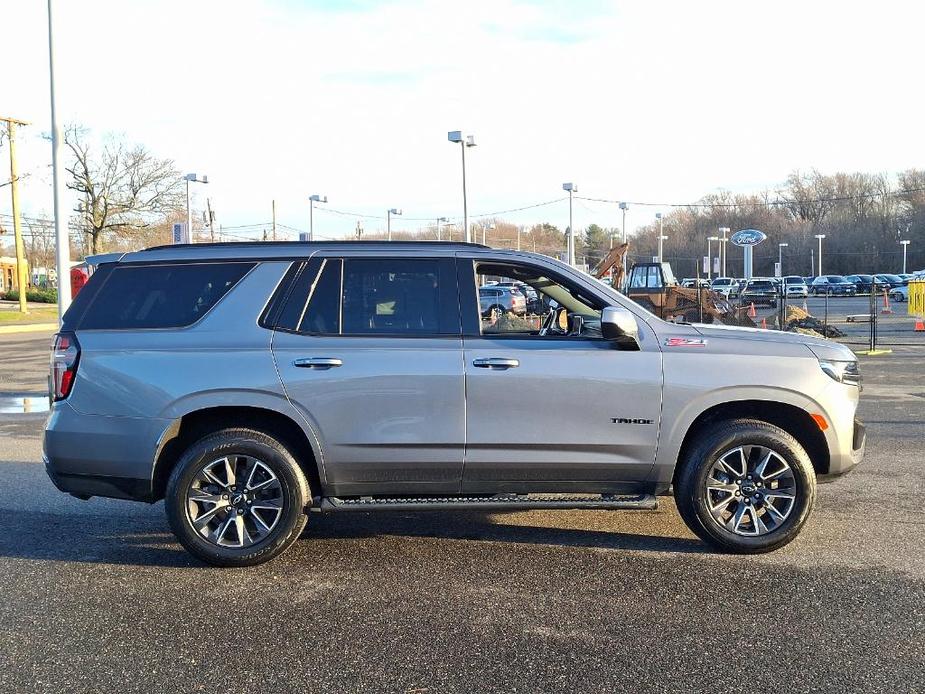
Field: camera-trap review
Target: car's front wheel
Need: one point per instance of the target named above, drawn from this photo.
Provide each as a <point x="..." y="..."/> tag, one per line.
<point x="745" y="486"/>
<point x="237" y="497"/>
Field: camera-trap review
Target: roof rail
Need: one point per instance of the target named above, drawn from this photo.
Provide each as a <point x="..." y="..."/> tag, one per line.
<point x="303" y="244"/>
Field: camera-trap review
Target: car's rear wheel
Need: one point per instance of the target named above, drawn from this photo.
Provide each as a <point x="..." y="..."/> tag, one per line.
<point x="745" y="486"/>
<point x="237" y="498"/>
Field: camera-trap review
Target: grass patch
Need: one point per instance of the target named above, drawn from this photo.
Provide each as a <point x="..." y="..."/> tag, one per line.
<point x="12" y="316"/>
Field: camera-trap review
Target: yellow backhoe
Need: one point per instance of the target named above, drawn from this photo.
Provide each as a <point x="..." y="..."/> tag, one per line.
<point x="654" y="287"/>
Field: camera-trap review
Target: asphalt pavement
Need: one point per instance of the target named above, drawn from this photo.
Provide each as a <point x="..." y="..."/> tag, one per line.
<point x="97" y="596"/>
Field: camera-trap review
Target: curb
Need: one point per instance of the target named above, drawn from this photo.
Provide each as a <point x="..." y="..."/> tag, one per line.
<point x="28" y="328"/>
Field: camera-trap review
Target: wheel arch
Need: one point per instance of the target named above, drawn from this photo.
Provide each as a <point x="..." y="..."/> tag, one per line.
<point x="192" y="426"/>
<point x="794" y="420"/>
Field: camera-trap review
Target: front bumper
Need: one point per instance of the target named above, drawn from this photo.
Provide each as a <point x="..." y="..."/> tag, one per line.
<point x="843" y="462"/>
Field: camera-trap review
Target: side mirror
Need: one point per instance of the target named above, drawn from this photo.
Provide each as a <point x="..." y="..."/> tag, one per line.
<point x="619" y="323"/>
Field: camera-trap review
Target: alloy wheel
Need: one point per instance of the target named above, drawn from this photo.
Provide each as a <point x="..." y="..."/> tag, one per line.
<point x="750" y="490"/>
<point x="234" y="501"/>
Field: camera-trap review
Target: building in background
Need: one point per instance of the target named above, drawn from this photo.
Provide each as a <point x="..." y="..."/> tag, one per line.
<point x="8" y="280"/>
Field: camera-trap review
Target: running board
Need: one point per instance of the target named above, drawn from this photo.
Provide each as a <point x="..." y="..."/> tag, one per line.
<point x="498" y="502"/>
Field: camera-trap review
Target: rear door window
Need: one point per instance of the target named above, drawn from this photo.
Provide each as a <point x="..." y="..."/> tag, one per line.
<point x="160" y="296"/>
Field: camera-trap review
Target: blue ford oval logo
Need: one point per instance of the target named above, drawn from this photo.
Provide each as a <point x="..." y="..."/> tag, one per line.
<point x="748" y="237"/>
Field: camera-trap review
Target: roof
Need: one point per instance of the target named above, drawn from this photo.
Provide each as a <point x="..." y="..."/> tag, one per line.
<point x="247" y="250"/>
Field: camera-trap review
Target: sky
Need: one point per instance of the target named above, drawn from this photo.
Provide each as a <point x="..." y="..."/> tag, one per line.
<point x="656" y="101"/>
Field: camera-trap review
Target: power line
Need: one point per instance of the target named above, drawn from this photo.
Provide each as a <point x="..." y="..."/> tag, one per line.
<point x="769" y="203"/>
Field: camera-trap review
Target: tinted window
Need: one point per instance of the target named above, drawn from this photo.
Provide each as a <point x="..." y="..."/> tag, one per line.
<point x="394" y="296"/>
<point x="160" y="296"/>
<point x="323" y="313"/>
<point x="313" y="304"/>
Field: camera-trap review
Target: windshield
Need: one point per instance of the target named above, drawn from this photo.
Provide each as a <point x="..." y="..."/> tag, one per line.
<point x="793" y="280"/>
<point x="837" y="279"/>
<point x="761" y="284"/>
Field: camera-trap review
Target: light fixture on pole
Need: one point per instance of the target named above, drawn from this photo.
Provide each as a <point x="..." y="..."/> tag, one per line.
<point x="905" y="244"/>
<point x="819" y="261"/>
<point x="780" y="257"/>
<point x="661" y="237"/>
<point x="725" y="232"/>
<point x="191" y="178"/>
<point x="388" y="216"/>
<point x="439" y="220"/>
<point x="570" y="239"/>
<point x="710" y="256"/>
<point x="465" y="141"/>
<point x="312" y="199"/>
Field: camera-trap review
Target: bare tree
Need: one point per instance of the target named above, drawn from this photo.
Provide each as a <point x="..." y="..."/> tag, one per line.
<point x="124" y="187"/>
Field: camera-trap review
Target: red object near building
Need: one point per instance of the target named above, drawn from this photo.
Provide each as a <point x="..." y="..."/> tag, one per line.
<point x="79" y="277"/>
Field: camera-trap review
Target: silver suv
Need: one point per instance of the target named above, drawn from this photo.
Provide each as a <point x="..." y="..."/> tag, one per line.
<point x="250" y="384"/>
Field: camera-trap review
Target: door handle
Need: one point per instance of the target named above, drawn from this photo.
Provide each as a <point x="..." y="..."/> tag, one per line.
<point x="317" y="363"/>
<point x="496" y="363"/>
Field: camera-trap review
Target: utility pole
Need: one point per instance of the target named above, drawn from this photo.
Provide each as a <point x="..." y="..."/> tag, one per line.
<point x="22" y="273"/>
<point x="274" y="219"/>
<point x="211" y="215"/>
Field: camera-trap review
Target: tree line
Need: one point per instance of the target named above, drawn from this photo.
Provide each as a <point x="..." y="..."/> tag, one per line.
<point x="863" y="216"/>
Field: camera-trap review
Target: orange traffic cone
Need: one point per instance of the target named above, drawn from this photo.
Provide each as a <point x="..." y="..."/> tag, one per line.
<point x="764" y="324"/>
<point x="886" y="304"/>
<point x="919" y="326"/>
<point x="805" y="307"/>
<point x="751" y="311"/>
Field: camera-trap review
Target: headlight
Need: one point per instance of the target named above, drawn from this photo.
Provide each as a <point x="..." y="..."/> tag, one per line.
<point x="842" y="371"/>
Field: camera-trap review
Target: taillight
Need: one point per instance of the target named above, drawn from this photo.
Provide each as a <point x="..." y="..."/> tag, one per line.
<point x="65" y="354"/>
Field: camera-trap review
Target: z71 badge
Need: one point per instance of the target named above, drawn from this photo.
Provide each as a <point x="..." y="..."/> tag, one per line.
<point x="685" y="342"/>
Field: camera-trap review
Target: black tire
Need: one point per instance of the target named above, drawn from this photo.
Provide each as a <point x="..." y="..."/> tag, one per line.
<point x="690" y="484"/>
<point x="295" y="496"/>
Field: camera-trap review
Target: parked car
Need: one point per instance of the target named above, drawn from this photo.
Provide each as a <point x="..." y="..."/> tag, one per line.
<point x="760" y="291"/>
<point x="250" y="384"/>
<point x="900" y="293"/>
<point x="809" y="280"/>
<point x="692" y="282"/>
<point x="497" y="297"/>
<point x="723" y="285"/>
<point x="889" y="281"/>
<point x="833" y="285"/>
<point x="862" y="283"/>
<point x="794" y="286"/>
<point x="533" y="303"/>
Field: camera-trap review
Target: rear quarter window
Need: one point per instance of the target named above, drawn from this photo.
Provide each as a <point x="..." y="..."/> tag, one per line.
<point x="160" y="296"/>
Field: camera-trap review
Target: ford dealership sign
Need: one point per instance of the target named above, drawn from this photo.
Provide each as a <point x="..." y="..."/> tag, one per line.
<point x="748" y="237"/>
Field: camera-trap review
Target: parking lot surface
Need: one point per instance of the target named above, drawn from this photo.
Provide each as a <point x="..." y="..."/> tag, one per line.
<point x="97" y="595"/>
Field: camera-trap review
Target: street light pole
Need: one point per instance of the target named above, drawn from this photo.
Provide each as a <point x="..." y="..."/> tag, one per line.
<point x="440" y="219"/>
<point x="819" y="261"/>
<point x="62" y="242"/>
<point x="724" y="231"/>
<point x="312" y="199"/>
<point x="905" y="244"/>
<point x="623" y="208"/>
<point x="191" y="178"/>
<point x="658" y="216"/>
<point x="780" y="257"/>
<point x="465" y="141"/>
<point x="710" y="256"/>
<point x="388" y="217"/>
<point x="570" y="239"/>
